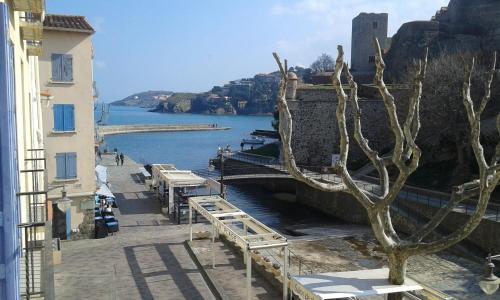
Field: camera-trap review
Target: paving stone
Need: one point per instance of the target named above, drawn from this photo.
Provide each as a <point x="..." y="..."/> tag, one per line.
<point x="144" y="260"/>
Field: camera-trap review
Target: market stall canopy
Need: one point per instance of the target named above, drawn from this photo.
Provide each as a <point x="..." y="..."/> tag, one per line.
<point x="176" y="178"/>
<point x="348" y="284"/>
<point x="105" y="191"/>
<point x="101" y="173"/>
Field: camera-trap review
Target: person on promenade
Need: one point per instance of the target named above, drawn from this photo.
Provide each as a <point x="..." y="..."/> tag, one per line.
<point x="122" y="157"/>
<point x="99" y="154"/>
<point x="117" y="159"/>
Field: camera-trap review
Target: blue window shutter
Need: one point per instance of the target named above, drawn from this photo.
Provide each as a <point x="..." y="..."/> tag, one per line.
<point x="69" y="117"/>
<point x="58" y="110"/>
<point x="67" y="67"/>
<point x="57" y="67"/>
<point x="71" y="165"/>
<point x="61" y="166"/>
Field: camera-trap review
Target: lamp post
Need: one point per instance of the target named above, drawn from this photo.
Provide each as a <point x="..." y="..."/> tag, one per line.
<point x="220" y="155"/>
<point x="489" y="282"/>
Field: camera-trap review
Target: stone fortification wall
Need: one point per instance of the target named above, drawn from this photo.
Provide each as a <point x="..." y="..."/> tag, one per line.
<point x="464" y="26"/>
<point x="315" y="132"/>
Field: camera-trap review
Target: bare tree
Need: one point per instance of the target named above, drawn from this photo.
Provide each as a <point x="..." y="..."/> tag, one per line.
<point x="323" y="63"/>
<point x="443" y="118"/>
<point x="405" y="157"/>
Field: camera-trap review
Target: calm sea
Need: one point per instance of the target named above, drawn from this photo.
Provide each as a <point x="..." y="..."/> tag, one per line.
<point x="192" y="151"/>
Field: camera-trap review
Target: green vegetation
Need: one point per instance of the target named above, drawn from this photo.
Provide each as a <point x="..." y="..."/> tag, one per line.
<point x="177" y="97"/>
<point x="270" y="150"/>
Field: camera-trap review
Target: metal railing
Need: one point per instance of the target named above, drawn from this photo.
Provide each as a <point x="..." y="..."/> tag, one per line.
<point x="430" y="199"/>
<point x="32" y="221"/>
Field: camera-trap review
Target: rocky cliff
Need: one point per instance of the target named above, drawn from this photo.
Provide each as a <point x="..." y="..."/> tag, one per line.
<point x="464" y="26"/>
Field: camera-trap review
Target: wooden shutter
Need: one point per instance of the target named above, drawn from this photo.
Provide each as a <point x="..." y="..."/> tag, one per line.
<point x="57" y="67"/>
<point x="67" y="67"/>
<point x="61" y="166"/>
<point x="69" y="117"/>
<point x="58" y="110"/>
<point x="71" y="165"/>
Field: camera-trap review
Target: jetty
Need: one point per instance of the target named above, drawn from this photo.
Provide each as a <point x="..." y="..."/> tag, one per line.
<point x="123" y="129"/>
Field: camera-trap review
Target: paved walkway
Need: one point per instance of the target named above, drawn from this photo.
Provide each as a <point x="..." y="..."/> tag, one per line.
<point x="229" y="274"/>
<point x="145" y="260"/>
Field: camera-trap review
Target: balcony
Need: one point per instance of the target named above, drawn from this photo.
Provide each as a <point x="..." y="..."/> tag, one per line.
<point x="34" y="6"/>
<point x="31" y="31"/>
<point x="34" y="48"/>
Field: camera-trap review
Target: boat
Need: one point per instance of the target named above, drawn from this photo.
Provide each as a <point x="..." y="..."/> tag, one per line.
<point x="253" y="141"/>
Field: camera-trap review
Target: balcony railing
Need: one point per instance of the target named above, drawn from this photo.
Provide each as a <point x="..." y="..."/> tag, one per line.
<point x="34" y="48"/>
<point x="33" y="226"/>
<point x="34" y="6"/>
<point x="31" y="27"/>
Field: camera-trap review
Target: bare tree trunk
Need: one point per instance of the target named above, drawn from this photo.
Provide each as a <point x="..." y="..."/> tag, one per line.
<point x="397" y="272"/>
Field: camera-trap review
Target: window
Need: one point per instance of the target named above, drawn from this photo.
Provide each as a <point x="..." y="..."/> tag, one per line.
<point x="375" y="25"/>
<point x="64" y="117"/>
<point x="371" y="58"/>
<point x="62" y="67"/>
<point x="66" y="165"/>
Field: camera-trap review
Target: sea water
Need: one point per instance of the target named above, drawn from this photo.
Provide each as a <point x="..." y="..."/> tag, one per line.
<point x="192" y="151"/>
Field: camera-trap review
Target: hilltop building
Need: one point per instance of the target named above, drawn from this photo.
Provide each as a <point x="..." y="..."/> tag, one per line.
<point x="25" y="231"/>
<point x="68" y="119"/>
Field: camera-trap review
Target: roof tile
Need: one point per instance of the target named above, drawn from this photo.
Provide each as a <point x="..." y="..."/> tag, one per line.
<point x="70" y="23"/>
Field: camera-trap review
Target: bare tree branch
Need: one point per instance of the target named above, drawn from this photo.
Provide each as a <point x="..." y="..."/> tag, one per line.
<point x="487" y="95"/>
<point x="285" y="128"/>
<point x="487" y="181"/>
<point x="411" y="126"/>
<point x="361" y="140"/>
<point x="459" y="194"/>
<point x="344" y="136"/>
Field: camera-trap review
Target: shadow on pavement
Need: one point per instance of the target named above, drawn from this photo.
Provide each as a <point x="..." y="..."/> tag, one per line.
<point x="172" y="265"/>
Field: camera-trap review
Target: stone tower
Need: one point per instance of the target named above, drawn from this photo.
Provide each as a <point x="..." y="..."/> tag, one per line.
<point x="364" y="27"/>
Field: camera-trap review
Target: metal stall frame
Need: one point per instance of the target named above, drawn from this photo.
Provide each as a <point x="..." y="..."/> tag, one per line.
<point x="225" y="218"/>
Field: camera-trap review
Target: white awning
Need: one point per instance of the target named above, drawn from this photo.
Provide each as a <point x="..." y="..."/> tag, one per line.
<point x="348" y="284"/>
<point x="105" y="191"/>
<point x="101" y="173"/>
<point x="176" y="178"/>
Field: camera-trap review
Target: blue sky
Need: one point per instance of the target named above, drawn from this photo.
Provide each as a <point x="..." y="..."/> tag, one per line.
<point x="189" y="45"/>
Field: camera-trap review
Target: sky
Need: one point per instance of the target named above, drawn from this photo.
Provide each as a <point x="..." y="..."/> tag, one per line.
<point x="192" y="45"/>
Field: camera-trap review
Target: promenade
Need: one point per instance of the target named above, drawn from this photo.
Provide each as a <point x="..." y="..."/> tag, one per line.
<point x="146" y="259"/>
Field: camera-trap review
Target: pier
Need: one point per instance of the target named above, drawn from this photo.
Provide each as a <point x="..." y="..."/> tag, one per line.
<point x="123" y="129"/>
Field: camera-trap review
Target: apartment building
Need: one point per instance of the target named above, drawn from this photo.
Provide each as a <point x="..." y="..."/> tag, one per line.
<point x="25" y="243"/>
<point x="66" y="73"/>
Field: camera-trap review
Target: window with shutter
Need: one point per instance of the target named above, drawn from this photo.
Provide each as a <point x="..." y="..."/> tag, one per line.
<point x="58" y="117"/>
<point x="71" y="165"/>
<point x="64" y="117"/>
<point x="66" y="165"/>
<point x="69" y="117"/>
<point x="62" y="67"/>
<point x="67" y="67"/>
<point x="60" y="166"/>
<point x="57" y="67"/>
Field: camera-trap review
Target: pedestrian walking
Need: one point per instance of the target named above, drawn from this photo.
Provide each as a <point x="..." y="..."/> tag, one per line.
<point x="122" y="157"/>
<point x="117" y="159"/>
<point x="99" y="154"/>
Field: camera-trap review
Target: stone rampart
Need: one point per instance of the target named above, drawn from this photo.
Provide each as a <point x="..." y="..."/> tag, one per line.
<point x="315" y="132"/>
